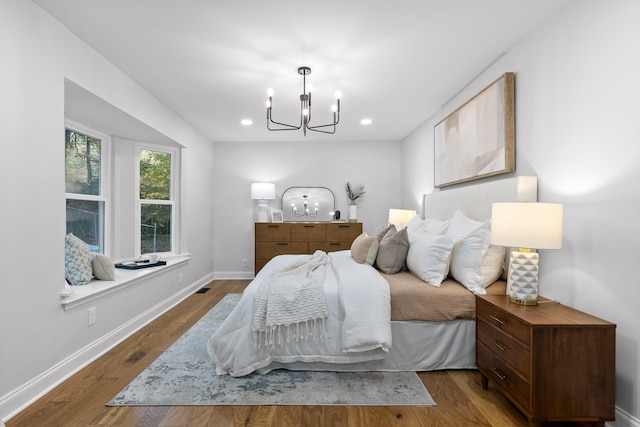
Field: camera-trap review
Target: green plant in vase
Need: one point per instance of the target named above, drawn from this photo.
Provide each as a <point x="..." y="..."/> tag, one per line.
<point x="354" y="192"/>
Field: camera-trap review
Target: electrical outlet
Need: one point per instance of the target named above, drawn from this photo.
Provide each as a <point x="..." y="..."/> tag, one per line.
<point x="245" y="262"/>
<point x="92" y="316"/>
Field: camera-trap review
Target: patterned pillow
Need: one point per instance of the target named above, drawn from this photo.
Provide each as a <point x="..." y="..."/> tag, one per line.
<point x="77" y="261"/>
<point x="103" y="268"/>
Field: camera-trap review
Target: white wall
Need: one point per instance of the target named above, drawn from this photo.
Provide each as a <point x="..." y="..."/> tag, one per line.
<point x="329" y="164"/>
<point x="577" y="129"/>
<point x="40" y="342"/>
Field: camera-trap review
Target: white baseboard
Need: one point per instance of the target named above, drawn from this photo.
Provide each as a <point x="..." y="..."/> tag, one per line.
<point x="233" y="275"/>
<point x="624" y="419"/>
<point x="25" y="395"/>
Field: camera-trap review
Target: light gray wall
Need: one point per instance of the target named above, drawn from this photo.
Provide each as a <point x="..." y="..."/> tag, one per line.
<point x="329" y="164"/>
<point x="577" y="112"/>
<point x="39" y="341"/>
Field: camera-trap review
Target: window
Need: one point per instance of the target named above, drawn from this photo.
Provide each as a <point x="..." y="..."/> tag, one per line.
<point x="85" y="185"/>
<point x="157" y="199"/>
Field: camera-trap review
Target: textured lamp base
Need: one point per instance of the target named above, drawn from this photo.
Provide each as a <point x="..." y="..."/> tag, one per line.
<point x="263" y="214"/>
<point x="523" y="275"/>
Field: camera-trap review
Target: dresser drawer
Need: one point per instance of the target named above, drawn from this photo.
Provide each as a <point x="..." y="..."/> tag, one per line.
<point x="309" y="232"/>
<point x="268" y="250"/>
<point x="500" y="373"/>
<point x="504" y="321"/>
<point x="505" y="348"/>
<point x="343" y="232"/>
<point x="329" y="246"/>
<point x="268" y="232"/>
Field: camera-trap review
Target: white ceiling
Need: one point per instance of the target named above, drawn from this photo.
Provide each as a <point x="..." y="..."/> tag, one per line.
<point x="396" y="62"/>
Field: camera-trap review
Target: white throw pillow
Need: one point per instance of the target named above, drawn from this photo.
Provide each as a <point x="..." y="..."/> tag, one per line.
<point x="467" y="255"/>
<point x="492" y="265"/>
<point x="428" y="257"/>
<point x="414" y="224"/>
<point x="461" y="225"/>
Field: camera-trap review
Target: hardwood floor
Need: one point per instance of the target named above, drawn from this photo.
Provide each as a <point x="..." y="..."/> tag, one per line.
<point x="80" y="401"/>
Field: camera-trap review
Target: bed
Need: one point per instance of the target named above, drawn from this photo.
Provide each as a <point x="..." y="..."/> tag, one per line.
<point x="417" y="320"/>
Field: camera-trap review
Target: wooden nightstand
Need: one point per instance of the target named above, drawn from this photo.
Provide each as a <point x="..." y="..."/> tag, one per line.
<point x="553" y="362"/>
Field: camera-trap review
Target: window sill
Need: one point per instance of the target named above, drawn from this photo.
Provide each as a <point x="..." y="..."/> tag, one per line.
<point x="96" y="289"/>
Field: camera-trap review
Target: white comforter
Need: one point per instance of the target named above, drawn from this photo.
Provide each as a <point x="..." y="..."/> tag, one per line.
<point x="359" y="322"/>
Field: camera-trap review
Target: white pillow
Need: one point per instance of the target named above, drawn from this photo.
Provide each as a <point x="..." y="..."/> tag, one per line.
<point x="492" y="265"/>
<point x="429" y="226"/>
<point x="467" y="255"/>
<point x="415" y="222"/>
<point x="428" y="257"/>
<point x="460" y="225"/>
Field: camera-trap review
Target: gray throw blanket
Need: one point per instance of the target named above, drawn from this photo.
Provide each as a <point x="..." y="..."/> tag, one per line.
<point x="291" y="302"/>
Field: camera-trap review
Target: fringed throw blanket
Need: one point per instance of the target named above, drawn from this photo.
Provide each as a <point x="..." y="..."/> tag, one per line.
<point x="292" y="303"/>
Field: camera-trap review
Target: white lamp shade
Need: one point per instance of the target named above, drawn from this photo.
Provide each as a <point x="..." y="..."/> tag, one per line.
<point x="263" y="191"/>
<point x="400" y="216"/>
<point x="527" y="225"/>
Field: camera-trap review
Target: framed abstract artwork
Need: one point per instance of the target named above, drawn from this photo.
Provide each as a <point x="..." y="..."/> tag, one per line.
<point x="478" y="139"/>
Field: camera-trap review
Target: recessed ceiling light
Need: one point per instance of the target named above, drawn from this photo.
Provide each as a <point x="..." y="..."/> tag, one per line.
<point x="246" y="122"/>
<point x="365" y="122"/>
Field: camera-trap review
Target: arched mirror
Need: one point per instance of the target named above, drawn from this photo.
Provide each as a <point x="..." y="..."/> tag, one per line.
<point x="308" y="204"/>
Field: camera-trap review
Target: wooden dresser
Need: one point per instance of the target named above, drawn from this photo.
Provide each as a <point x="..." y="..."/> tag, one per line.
<point x="273" y="239"/>
<point x="553" y="362"/>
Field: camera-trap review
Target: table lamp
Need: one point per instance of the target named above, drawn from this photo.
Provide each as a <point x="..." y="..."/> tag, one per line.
<point x="400" y="217"/>
<point x="263" y="191"/>
<point x="526" y="226"/>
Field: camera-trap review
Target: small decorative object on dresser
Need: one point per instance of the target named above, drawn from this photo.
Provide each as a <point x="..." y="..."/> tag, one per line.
<point x="553" y="362"/>
<point x="301" y="238"/>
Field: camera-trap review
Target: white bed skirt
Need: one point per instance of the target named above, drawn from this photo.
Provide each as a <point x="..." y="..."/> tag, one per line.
<point x="417" y="346"/>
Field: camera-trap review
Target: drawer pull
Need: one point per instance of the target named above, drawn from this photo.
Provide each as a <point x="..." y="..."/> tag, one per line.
<point x="502" y="322"/>
<point x="501" y="376"/>
<point x="273" y="226"/>
<point x="334" y="244"/>
<point x="500" y="346"/>
<point x="282" y="244"/>
<point x="343" y="226"/>
<point x="309" y="226"/>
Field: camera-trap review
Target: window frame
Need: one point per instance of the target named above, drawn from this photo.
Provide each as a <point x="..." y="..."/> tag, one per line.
<point x="174" y="199"/>
<point x="105" y="180"/>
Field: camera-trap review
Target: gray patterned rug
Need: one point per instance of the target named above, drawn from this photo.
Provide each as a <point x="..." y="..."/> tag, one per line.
<point x="184" y="375"/>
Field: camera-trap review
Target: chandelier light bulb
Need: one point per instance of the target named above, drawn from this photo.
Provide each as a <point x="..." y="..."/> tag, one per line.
<point x="338" y="94"/>
<point x="270" y="92"/>
<point x="334" y="108"/>
<point x="305" y="112"/>
<point x="268" y="104"/>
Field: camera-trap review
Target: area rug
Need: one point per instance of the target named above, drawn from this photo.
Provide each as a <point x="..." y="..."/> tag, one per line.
<point x="185" y="375"/>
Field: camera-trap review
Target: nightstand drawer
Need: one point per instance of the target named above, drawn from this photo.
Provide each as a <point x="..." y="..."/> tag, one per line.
<point x="505" y="348"/>
<point x="503" y="321"/>
<point x="501" y="374"/>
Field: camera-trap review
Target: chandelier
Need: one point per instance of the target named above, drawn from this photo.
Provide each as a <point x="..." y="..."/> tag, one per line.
<point x="305" y="209"/>
<point x="305" y="111"/>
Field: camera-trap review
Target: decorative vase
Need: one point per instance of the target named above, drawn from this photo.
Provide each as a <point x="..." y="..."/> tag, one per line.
<point x="353" y="212"/>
